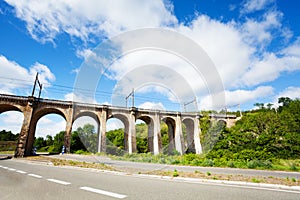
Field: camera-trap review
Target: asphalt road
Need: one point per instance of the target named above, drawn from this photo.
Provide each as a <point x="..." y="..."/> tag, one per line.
<point x="25" y="180"/>
<point x="144" y="167"/>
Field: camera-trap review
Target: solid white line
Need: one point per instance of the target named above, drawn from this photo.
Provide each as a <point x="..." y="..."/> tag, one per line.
<point x="21" y="172"/>
<point x="58" y="181"/>
<point x="246" y="185"/>
<point x="35" y="175"/>
<point x="111" y="194"/>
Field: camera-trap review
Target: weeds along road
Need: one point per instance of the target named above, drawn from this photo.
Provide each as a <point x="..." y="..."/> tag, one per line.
<point x="24" y="180"/>
<point x="144" y="167"/>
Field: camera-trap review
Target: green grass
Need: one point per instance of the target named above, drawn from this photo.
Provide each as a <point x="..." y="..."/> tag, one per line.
<point x="7" y="152"/>
<point x="201" y="160"/>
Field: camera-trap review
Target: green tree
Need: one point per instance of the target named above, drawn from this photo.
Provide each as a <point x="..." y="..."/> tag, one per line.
<point x="49" y="140"/>
<point x="8" y="136"/>
<point x="88" y="137"/>
<point x="58" y="142"/>
<point x="76" y="143"/>
<point x="142" y="138"/>
<point x="115" y="138"/>
<point x="263" y="134"/>
<point x="39" y="142"/>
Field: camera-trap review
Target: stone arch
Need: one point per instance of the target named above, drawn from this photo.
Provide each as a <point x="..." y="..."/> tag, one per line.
<point x="87" y="114"/>
<point x="126" y="121"/>
<point x="222" y="123"/>
<point x="45" y="111"/>
<point x="190" y="127"/>
<point x="38" y="114"/>
<point x="8" y="107"/>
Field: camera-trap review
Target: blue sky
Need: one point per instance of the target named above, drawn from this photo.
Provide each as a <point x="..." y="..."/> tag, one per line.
<point x="253" y="44"/>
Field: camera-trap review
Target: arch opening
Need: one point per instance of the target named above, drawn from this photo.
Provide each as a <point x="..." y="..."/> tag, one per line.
<point x="189" y="125"/>
<point x="144" y="134"/>
<point x="168" y="136"/>
<point x="10" y="126"/>
<point x="85" y="133"/>
<point x="47" y="134"/>
<point x="115" y="136"/>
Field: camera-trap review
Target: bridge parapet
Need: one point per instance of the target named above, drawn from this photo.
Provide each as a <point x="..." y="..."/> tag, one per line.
<point x="224" y="116"/>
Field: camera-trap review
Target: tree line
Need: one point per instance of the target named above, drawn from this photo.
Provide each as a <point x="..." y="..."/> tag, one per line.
<point x="263" y="134"/>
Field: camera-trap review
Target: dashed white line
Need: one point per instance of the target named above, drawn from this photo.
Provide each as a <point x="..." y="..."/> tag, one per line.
<point x="21" y="172"/>
<point x="35" y="175"/>
<point x="103" y="192"/>
<point x="12" y="169"/>
<point x="5" y="167"/>
<point x="58" y="181"/>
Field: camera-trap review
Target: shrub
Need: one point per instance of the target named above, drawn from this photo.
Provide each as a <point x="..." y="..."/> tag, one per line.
<point x="293" y="166"/>
<point x="258" y="163"/>
<point x="175" y="173"/>
<point x="208" y="163"/>
<point x="81" y="152"/>
<point x="231" y="164"/>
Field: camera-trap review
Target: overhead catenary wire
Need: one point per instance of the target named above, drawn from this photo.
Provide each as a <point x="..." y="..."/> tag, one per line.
<point x="63" y="89"/>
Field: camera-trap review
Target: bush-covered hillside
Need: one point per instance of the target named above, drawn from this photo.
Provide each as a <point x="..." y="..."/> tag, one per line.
<point x="263" y="134"/>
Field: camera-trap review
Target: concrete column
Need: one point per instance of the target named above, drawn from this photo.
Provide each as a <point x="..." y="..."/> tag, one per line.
<point x="131" y="133"/>
<point x="68" y="133"/>
<point x="150" y="136"/>
<point x="30" y="137"/>
<point x="171" y="134"/>
<point x="197" y="131"/>
<point x="102" y="132"/>
<point x="22" y="141"/>
<point x="179" y="145"/>
<point x="157" y="146"/>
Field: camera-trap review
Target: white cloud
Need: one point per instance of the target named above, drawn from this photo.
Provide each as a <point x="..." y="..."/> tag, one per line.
<point x="11" y="121"/>
<point x="271" y="66"/>
<point x="113" y="124"/>
<point x="259" y="33"/>
<point x="17" y="78"/>
<point x="50" y="125"/>
<point x="238" y="48"/>
<point x="236" y="97"/>
<point x="231" y="56"/>
<point x="84" y="53"/>
<point x="243" y="96"/>
<point x="291" y="92"/>
<point x="293" y="50"/>
<point x="255" y="5"/>
<point x="152" y="106"/>
<point x="46" y="19"/>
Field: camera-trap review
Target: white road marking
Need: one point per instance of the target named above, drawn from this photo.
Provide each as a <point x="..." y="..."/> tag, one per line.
<point x="103" y="192"/>
<point x="58" y="181"/>
<point x="5" y="167"/>
<point x="21" y="172"/>
<point x="11" y="169"/>
<point x="35" y="175"/>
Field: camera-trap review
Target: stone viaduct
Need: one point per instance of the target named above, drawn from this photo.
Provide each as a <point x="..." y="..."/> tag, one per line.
<point x="35" y="108"/>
